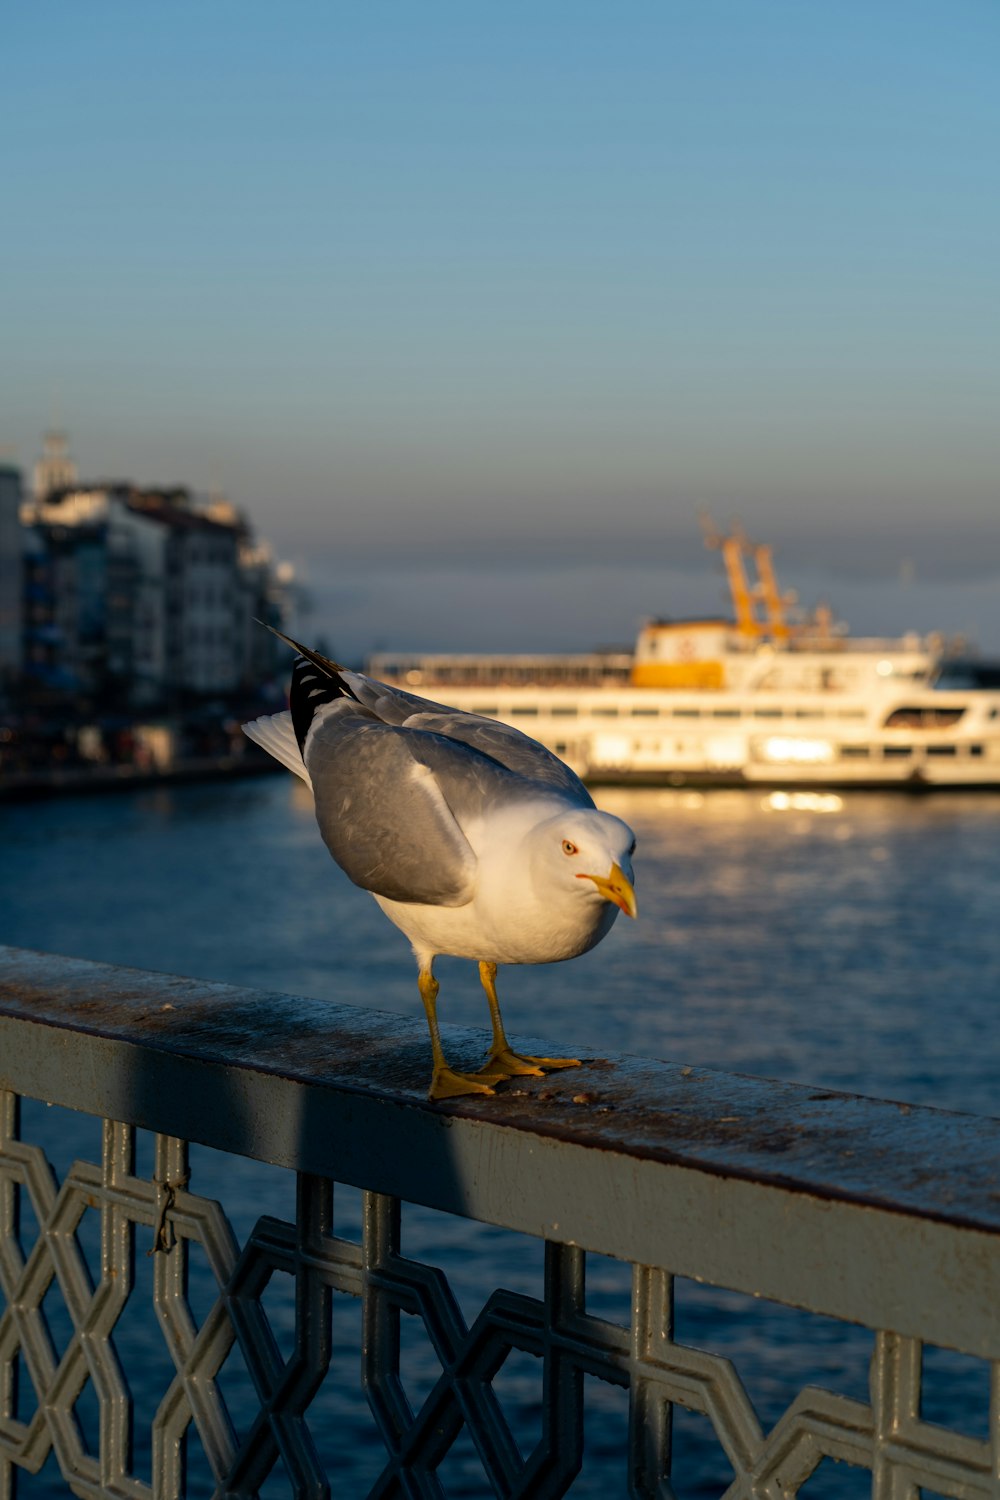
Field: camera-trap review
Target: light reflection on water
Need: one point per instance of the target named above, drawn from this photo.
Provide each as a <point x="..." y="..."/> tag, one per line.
<point x="849" y="942"/>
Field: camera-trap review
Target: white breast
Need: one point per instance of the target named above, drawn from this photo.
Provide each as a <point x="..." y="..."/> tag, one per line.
<point x="506" y="924"/>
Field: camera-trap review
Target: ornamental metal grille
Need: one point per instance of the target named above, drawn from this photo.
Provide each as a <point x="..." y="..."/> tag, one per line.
<point x="67" y="1380"/>
<point x="907" y="1456"/>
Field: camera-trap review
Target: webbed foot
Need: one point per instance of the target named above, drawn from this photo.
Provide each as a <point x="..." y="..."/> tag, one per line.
<point x="449" y="1084"/>
<point x="511" y="1064"/>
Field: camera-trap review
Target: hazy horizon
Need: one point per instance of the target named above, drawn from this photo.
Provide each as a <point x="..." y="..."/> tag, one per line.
<point x="440" y="289"/>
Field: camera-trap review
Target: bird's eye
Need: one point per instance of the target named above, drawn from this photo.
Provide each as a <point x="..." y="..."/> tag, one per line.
<point x="569" y="847"/>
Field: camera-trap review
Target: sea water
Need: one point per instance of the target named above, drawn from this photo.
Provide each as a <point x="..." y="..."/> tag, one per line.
<point x="843" y="941"/>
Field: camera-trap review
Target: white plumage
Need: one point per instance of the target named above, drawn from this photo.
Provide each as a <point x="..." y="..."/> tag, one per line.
<point x="474" y="839"/>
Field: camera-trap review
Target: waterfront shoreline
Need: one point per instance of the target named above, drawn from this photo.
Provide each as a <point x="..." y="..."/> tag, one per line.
<point x="49" y="782"/>
<point x="76" y="781"/>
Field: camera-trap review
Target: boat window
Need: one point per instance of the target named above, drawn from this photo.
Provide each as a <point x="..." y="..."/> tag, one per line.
<point x="725" y="713"/>
<point x="645" y="713"/>
<point x="941" y="749"/>
<point x="767" y="713"/>
<point x="968" y="674"/>
<point x="896" y="752"/>
<point x="809" y="713"/>
<point x="687" y="713"/>
<point x="975" y="750"/>
<point x="564" y="711"/>
<point x="854" y="752"/>
<point x="524" y="712"/>
<point x="605" y="713"/>
<point x="850" y="713"/>
<point x="923" y="718"/>
<point x="489" y="712"/>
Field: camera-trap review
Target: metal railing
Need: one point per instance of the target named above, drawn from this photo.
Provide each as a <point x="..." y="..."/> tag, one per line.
<point x="879" y="1214"/>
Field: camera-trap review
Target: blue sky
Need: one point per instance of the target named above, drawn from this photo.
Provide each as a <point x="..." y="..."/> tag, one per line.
<point x="520" y="288"/>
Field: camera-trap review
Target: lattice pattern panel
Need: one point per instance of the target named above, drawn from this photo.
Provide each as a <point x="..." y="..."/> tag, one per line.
<point x="907" y="1456"/>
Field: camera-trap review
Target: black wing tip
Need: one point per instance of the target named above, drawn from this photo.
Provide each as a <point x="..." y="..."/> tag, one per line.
<point x="312" y="688"/>
<point x="332" y="668"/>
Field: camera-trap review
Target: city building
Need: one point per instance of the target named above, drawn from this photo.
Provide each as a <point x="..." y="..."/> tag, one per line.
<point x="202" y="625"/>
<point x="10" y="575"/>
<point x="143" y="598"/>
<point x="95" y="596"/>
<point x="55" y="470"/>
<point x="271" y="597"/>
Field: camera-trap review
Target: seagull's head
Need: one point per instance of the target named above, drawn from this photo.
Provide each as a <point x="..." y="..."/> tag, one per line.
<point x="588" y="854"/>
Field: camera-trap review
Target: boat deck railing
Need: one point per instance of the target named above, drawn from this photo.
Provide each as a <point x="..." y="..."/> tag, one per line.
<point x="590" y="669"/>
<point x="877" y="1214"/>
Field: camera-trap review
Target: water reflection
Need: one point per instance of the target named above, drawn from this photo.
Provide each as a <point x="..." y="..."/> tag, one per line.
<point x="854" y="947"/>
<point x="847" y="941"/>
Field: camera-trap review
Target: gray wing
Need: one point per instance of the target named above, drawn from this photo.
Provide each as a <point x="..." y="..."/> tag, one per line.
<point x="516" y="751"/>
<point x="390" y="800"/>
<point x="391" y="704"/>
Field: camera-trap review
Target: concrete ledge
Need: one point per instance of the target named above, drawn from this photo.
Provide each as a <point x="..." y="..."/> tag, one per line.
<point x="875" y="1212"/>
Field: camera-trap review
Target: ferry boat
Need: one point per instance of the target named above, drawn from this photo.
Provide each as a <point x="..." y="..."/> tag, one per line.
<point x="761" y="699"/>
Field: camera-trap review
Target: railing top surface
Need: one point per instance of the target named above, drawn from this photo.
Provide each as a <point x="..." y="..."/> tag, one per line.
<point x="919" y="1162"/>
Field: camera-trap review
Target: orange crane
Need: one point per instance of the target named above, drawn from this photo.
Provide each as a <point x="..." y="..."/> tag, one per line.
<point x="746" y="595"/>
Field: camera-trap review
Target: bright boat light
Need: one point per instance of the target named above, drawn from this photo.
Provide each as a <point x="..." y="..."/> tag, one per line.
<point x="802" y="752"/>
<point x="821" y="802"/>
<point x="611" y="750"/>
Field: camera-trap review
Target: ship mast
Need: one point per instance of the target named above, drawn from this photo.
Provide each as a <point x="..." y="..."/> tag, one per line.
<point x="746" y="595"/>
<point x="774" y="603"/>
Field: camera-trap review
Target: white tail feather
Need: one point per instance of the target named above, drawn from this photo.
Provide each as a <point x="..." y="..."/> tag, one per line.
<point x="275" y="734"/>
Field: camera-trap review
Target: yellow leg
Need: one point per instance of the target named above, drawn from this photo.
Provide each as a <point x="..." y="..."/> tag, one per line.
<point x="503" y="1060"/>
<point x="445" y="1082"/>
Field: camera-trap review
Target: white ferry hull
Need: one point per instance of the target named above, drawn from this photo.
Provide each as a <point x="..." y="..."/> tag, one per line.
<point x="637" y="736"/>
<point x="755" y="702"/>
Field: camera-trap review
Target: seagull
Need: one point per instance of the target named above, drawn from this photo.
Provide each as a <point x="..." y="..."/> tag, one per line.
<point x="473" y="838"/>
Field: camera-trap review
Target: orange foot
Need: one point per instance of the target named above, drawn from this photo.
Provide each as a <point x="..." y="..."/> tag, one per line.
<point x="448" y="1084"/>
<point x="510" y="1064"/>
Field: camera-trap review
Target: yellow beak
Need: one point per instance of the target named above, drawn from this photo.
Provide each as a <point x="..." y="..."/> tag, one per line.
<point x="616" y="888"/>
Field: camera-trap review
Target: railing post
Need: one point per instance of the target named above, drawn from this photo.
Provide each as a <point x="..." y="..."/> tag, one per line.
<point x="117" y="1281"/>
<point x="650" y="1413"/>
